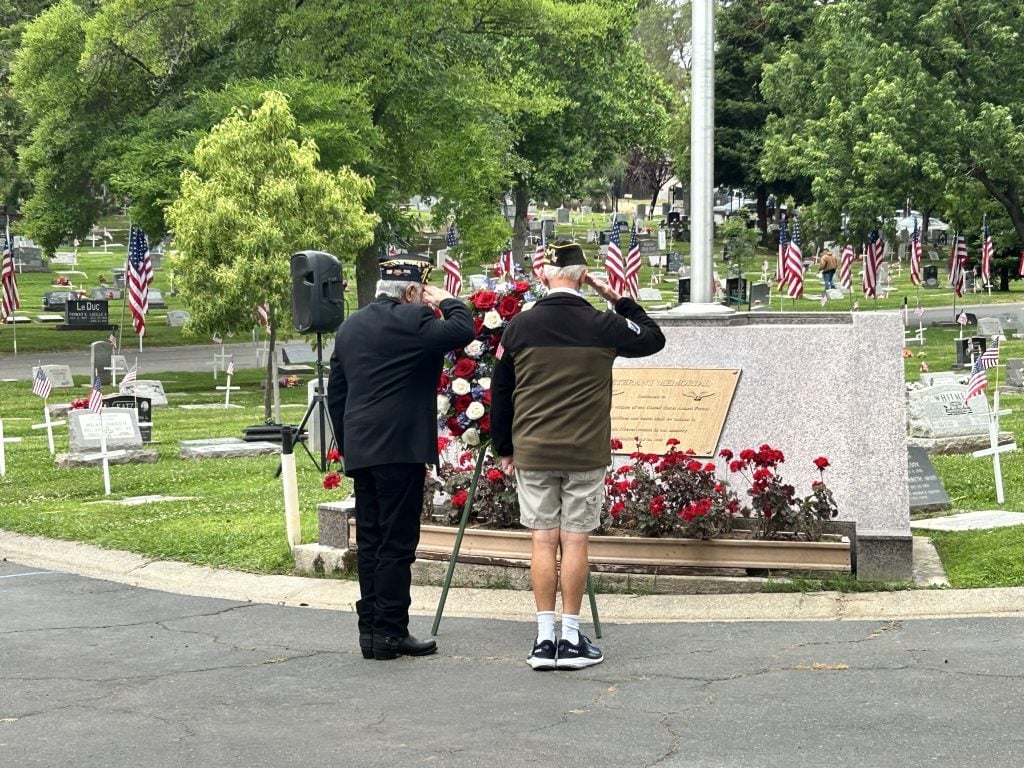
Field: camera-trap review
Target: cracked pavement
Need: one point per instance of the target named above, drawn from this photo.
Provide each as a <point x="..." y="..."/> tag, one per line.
<point x="96" y="673"/>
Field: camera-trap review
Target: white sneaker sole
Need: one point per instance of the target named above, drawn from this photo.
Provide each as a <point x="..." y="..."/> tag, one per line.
<point x="541" y="665"/>
<point x="577" y="663"/>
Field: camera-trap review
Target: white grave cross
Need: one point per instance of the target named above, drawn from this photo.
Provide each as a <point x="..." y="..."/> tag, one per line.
<point x="3" y="448"/>
<point x="230" y="371"/>
<point x="995" y="448"/>
<point x="48" y="426"/>
<point x="105" y="455"/>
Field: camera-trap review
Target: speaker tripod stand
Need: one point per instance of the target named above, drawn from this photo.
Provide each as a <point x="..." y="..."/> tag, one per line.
<point x="317" y="405"/>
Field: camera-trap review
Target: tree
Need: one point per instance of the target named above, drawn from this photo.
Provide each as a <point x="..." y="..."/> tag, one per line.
<point x="251" y="197"/>
<point x="881" y="102"/>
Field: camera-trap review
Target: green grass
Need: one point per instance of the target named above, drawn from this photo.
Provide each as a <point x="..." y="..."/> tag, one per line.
<point x="992" y="558"/>
<point x="235" y="519"/>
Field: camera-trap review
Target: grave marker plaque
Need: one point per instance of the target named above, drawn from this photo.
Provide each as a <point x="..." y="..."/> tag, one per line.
<point x="655" y="404"/>
<point x="121" y="427"/>
<point x="59" y="375"/>
<point x="143" y="408"/>
<point x="927" y="494"/>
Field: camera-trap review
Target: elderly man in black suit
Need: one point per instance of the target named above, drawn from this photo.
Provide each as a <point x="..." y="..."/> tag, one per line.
<point x="381" y="397"/>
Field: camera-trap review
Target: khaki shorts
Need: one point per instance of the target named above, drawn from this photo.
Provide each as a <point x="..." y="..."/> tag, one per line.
<point x="560" y="499"/>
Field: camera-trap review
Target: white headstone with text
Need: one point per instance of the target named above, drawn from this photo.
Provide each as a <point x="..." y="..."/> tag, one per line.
<point x="150" y="388"/>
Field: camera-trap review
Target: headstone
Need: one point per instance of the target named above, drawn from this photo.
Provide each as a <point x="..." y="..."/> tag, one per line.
<point x="55" y="300"/>
<point x="563" y="215"/>
<point x="591" y="236"/>
<point x="104" y="294"/>
<point x="940" y="421"/>
<point x="86" y="315"/>
<point x="1015" y="373"/>
<point x="50" y="318"/>
<point x="150" y="388"/>
<point x="964" y="349"/>
<point x="641" y="211"/>
<point x="662" y="240"/>
<point x="927" y="494"/>
<point x="931" y="276"/>
<point x="143" y="408"/>
<point x="675" y="262"/>
<point x="59" y="375"/>
<point x="969" y="281"/>
<point x="548" y="228"/>
<point x="534" y="225"/>
<point x="648" y="246"/>
<point x="586" y="210"/>
<point x="176" y="318"/>
<point x="31" y="258"/>
<point x="156" y="299"/>
<point x="834" y="294"/>
<point x="477" y="282"/>
<point x="99" y="360"/>
<point x="293" y="354"/>
<point x="225" y="448"/>
<point x="121" y="426"/>
<point x="989" y="327"/>
<point x="156" y="258"/>
<point x="118" y="273"/>
<point x="759" y="293"/>
<point x="883" y="277"/>
<point x="650" y="294"/>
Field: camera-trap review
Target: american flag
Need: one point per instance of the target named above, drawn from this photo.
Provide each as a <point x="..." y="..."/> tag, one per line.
<point x="112" y="339"/>
<point x="8" y="282"/>
<point x="139" y="278"/>
<point x="795" y="265"/>
<point x="979" y="373"/>
<point x="95" y="396"/>
<point x="41" y="384"/>
<point x="915" y="255"/>
<point x="919" y="310"/>
<point x="957" y="264"/>
<point x="846" y="268"/>
<point x="613" y="261"/>
<point x="632" y="276"/>
<point x="131" y="375"/>
<point x="452" y="268"/>
<point x="538" y="255"/>
<point x="962" y="318"/>
<point x="507" y="264"/>
<point x="872" y="260"/>
<point x="263" y="314"/>
<point x="107" y="235"/>
<point x="231" y="368"/>
<point x="987" y="250"/>
<point x="1020" y="267"/>
<point x="780" y="264"/>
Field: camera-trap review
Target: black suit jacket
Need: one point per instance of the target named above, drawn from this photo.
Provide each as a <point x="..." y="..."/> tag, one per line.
<point x="382" y="390"/>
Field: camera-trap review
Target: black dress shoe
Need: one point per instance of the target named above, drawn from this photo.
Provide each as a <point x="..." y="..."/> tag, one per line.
<point x="385" y="647"/>
<point x="366" y="644"/>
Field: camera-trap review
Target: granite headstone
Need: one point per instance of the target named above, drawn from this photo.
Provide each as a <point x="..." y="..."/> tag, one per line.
<point x="59" y="375"/>
<point x="143" y="408"/>
<point x="150" y="388"/>
<point x="927" y="494"/>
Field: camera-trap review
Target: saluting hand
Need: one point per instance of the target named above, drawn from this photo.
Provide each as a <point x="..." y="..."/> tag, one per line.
<point x="604" y="290"/>
<point x="433" y="295"/>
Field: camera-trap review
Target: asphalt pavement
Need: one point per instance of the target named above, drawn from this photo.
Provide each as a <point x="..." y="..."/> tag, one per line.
<point x="100" y="673"/>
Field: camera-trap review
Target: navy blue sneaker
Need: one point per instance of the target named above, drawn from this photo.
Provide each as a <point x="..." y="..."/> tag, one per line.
<point x="543" y="656"/>
<point x="583" y="654"/>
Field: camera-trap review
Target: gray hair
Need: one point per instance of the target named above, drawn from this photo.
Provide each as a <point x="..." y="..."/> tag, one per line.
<point x="572" y="272"/>
<point x="394" y="289"/>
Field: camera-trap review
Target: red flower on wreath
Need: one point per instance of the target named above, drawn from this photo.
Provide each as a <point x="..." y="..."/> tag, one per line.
<point x="509" y="307"/>
<point x="460" y="498"/>
<point x="463" y="368"/>
<point x="484" y="299"/>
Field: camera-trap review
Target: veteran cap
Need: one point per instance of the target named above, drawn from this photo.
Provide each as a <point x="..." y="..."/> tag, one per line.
<point x="564" y="253"/>
<point x="409" y="268"/>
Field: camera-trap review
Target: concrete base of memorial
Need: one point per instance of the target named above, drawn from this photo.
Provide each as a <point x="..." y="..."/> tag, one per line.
<point x="129" y="456"/>
<point x="816" y="384"/>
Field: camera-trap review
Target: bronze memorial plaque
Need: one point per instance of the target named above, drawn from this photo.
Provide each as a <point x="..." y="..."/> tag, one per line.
<point x="655" y="404"/>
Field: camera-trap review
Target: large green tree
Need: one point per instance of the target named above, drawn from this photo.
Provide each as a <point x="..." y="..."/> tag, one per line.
<point x="251" y="196"/>
<point x="882" y="101"/>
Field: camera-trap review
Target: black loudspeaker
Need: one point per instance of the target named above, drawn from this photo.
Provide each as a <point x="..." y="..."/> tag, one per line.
<point x="318" y="305"/>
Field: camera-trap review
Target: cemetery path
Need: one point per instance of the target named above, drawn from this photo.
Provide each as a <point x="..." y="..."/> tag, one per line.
<point x="101" y="673"/>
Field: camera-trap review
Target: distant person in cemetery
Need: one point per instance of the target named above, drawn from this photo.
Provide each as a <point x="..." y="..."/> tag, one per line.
<point x="550" y="425"/>
<point x="828" y="265"/>
<point x="381" y="396"/>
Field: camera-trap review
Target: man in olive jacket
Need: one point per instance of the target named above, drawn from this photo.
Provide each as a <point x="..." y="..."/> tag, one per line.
<point x="551" y="396"/>
<point x="382" y="399"/>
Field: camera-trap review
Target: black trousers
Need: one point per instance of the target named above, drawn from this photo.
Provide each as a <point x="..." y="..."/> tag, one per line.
<point x="389" y="499"/>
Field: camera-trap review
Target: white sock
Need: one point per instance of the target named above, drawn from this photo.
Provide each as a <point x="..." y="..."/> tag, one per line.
<point x="545" y="626"/>
<point x="571" y="628"/>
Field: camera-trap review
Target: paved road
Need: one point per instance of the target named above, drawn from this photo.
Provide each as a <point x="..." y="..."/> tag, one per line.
<point x="95" y="673"/>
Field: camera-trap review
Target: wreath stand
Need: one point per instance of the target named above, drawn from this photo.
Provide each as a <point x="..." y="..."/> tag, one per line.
<point x="458" y="544"/>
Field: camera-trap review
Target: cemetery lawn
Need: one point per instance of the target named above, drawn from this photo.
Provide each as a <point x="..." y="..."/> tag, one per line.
<point x="233" y="516"/>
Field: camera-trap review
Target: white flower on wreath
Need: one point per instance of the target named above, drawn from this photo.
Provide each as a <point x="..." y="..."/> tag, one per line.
<point x="492" y="319"/>
<point x="471" y="437"/>
<point x="485" y="383"/>
<point x="475" y="410"/>
<point x="475" y="348"/>
<point x="460" y="387"/>
<point x="443" y="404"/>
<point x="527" y="305"/>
